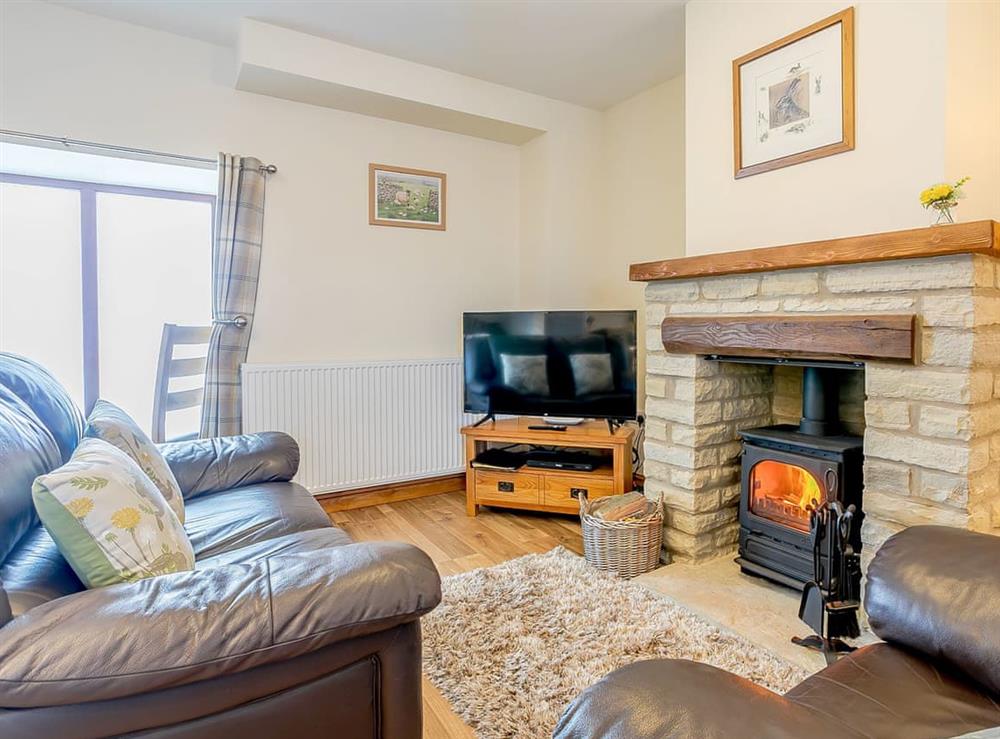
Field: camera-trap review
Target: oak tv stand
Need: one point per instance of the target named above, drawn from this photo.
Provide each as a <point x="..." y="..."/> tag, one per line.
<point x="537" y="489"/>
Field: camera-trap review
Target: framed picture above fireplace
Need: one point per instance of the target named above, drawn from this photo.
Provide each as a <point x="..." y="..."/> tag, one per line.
<point x="793" y="100"/>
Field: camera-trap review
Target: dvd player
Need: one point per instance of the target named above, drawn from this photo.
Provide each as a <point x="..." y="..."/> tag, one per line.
<point x="558" y="460"/>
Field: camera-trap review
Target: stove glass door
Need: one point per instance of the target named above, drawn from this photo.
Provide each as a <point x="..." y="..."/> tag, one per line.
<point x="780" y="492"/>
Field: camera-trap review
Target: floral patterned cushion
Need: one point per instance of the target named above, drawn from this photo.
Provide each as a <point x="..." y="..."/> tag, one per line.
<point x="109" y="422"/>
<point x="108" y="519"/>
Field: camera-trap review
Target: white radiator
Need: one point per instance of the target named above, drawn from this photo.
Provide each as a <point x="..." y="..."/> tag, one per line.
<point x="362" y="424"/>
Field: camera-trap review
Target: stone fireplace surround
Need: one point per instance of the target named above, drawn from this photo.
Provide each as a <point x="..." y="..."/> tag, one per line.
<point x="931" y="429"/>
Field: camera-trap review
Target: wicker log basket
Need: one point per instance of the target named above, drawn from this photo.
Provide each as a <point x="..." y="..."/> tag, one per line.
<point x="626" y="548"/>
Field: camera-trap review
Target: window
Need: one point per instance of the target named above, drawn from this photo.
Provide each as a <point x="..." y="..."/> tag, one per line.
<point x="784" y="492"/>
<point x="90" y="270"/>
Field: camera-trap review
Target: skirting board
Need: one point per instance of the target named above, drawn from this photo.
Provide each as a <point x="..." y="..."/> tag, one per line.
<point x="347" y="500"/>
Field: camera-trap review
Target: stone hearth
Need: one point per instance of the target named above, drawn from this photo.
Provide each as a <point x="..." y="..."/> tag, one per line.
<point x="931" y="429"/>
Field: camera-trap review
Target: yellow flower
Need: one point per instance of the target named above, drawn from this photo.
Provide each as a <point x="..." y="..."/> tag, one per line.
<point x="80" y="507"/>
<point x="936" y="192"/>
<point x="126" y="518"/>
<point x="942" y="192"/>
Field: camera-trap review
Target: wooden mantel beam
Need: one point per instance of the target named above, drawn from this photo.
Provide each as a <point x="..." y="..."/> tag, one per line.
<point x="975" y="237"/>
<point x="840" y="337"/>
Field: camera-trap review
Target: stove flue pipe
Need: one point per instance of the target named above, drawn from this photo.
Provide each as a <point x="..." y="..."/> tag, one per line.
<point x="820" y="402"/>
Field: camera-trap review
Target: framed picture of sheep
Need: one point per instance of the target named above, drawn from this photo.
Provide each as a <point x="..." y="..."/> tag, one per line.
<point x="411" y="198"/>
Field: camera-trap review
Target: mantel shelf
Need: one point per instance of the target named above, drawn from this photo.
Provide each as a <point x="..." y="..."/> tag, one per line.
<point x="975" y="237"/>
<point x="837" y="338"/>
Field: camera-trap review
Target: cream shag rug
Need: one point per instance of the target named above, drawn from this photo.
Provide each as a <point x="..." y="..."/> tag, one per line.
<point x="510" y="646"/>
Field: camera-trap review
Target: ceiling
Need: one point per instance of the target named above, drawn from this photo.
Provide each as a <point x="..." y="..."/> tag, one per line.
<point x="590" y="52"/>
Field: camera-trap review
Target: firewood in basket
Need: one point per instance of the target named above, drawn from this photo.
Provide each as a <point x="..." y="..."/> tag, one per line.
<point x="621" y="507"/>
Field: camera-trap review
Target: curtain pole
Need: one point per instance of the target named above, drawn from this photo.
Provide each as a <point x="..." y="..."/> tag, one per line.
<point x="77" y="143"/>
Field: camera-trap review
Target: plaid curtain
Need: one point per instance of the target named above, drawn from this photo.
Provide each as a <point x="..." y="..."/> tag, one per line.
<point x="239" y="221"/>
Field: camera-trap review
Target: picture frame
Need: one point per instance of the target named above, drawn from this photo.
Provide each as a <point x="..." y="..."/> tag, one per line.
<point x="793" y="100"/>
<point x="407" y="197"/>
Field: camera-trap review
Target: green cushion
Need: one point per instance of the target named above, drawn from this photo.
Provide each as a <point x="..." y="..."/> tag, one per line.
<point x="108" y="519"/>
<point x="110" y="423"/>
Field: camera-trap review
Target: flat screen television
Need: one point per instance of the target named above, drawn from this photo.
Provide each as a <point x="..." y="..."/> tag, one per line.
<point x="562" y="363"/>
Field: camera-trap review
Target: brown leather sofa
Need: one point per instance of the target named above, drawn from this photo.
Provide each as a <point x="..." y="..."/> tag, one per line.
<point x="933" y="595"/>
<point x="285" y="627"/>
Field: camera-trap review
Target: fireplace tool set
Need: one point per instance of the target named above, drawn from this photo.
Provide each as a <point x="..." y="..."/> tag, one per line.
<point x="830" y="601"/>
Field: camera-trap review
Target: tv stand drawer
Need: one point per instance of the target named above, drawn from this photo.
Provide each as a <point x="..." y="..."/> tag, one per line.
<point x="507" y="487"/>
<point x="565" y="491"/>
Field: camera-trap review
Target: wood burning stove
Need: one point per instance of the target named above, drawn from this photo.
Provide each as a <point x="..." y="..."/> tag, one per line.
<point x="788" y="469"/>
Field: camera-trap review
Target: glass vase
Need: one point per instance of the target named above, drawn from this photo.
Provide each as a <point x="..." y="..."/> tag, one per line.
<point x="941" y="214"/>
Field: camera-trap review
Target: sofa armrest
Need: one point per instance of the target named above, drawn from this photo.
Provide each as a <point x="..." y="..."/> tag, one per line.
<point x="191" y="626"/>
<point x="676" y="698"/>
<point x="936" y="590"/>
<point x="209" y="465"/>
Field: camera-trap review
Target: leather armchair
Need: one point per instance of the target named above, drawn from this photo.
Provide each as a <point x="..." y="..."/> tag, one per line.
<point x="285" y="627"/>
<point x="933" y="595"/>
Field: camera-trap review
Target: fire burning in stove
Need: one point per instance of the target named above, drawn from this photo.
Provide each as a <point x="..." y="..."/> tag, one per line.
<point x="783" y="493"/>
<point x="783" y="469"/>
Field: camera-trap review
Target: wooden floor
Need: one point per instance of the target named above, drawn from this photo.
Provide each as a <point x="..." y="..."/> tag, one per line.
<point x="457" y="543"/>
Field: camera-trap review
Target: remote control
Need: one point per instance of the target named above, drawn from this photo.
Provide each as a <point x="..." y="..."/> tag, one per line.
<point x="546" y="427"/>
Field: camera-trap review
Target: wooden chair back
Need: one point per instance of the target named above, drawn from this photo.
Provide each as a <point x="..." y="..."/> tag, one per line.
<point x="165" y="401"/>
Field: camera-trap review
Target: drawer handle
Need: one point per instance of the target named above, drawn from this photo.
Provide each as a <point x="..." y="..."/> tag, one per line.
<point x="577" y="492"/>
<point x="505" y="487"/>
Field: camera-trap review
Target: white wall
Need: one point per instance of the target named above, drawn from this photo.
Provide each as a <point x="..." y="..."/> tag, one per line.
<point x="561" y="213"/>
<point x="901" y="74"/>
<point x="972" y="113"/>
<point x="642" y="188"/>
<point x="642" y="193"/>
<point x="332" y="287"/>
<point x="561" y="205"/>
<point x="550" y="224"/>
<point x="600" y="192"/>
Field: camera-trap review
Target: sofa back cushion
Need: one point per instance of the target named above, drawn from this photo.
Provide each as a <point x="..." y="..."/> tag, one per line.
<point x="39" y="429"/>
<point x="936" y="589"/>
<point x="35" y="572"/>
